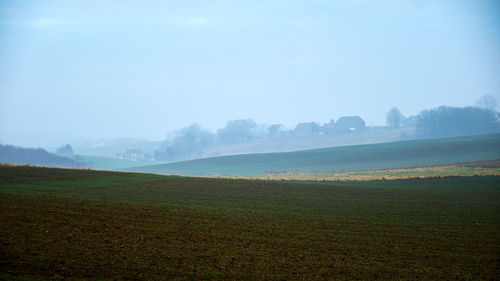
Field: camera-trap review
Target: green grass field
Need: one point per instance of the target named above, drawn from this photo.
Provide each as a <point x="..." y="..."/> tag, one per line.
<point x="95" y="225"/>
<point x="108" y="163"/>
<point x="342" y="159"/>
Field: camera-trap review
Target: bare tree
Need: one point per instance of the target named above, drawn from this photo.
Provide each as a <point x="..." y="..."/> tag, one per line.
<point x="487" y="102"/>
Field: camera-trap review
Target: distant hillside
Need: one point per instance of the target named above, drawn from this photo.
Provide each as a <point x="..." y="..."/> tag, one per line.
<point x="108" y="163"/>
<point x="110" y="148"/>
<point x="342" y="159"/>
<point x="31" y="156"/>
<point x="297" y="143"/>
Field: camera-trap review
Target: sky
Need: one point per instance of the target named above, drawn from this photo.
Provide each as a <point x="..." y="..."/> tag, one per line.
<point x="81" y="70"/>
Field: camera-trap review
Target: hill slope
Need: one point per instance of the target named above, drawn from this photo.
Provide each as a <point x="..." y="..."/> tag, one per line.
<point x="31" y="156"/>
<point x="108" y="163"/>
<point x="342" y="159"/>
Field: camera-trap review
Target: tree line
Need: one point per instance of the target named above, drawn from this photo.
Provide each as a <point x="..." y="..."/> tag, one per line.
<point x="447" y="121"/>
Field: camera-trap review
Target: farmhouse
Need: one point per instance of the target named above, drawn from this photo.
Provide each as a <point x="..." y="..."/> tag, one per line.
<point x="350" y="124"/>
<point x="133" y="155"/>
<point x="307" y="129"/>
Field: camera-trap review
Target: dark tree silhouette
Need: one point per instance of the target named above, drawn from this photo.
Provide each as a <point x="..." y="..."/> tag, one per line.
<point x="454" y="121"/>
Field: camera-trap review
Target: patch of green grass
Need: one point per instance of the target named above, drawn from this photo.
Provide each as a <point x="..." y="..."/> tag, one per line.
<point x="157" y="227"/>
<point x="108" y="163"/>
<point x="52" y="180"/>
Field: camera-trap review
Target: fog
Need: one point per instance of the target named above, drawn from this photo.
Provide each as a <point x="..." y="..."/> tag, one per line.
<point x="72" y="71"/>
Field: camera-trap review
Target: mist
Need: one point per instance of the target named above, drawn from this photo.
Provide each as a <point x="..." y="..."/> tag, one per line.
<point x="81" y="71"/>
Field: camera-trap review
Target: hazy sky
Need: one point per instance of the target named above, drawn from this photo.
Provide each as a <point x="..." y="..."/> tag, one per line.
<point x="74" y="69"/>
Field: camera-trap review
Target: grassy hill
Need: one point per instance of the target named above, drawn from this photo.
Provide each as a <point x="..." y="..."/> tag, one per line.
<point x="99" y="225"/>
<point x="36" y="156"/>
<point x="297" y="143"/>
<point x="342" y="159"/>
<point x="108" y="163"/>
<point x="109" y="148"/>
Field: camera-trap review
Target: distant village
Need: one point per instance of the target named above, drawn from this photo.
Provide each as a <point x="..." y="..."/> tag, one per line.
<point x="194" y="141"/>
<point x="348" y="124"/>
